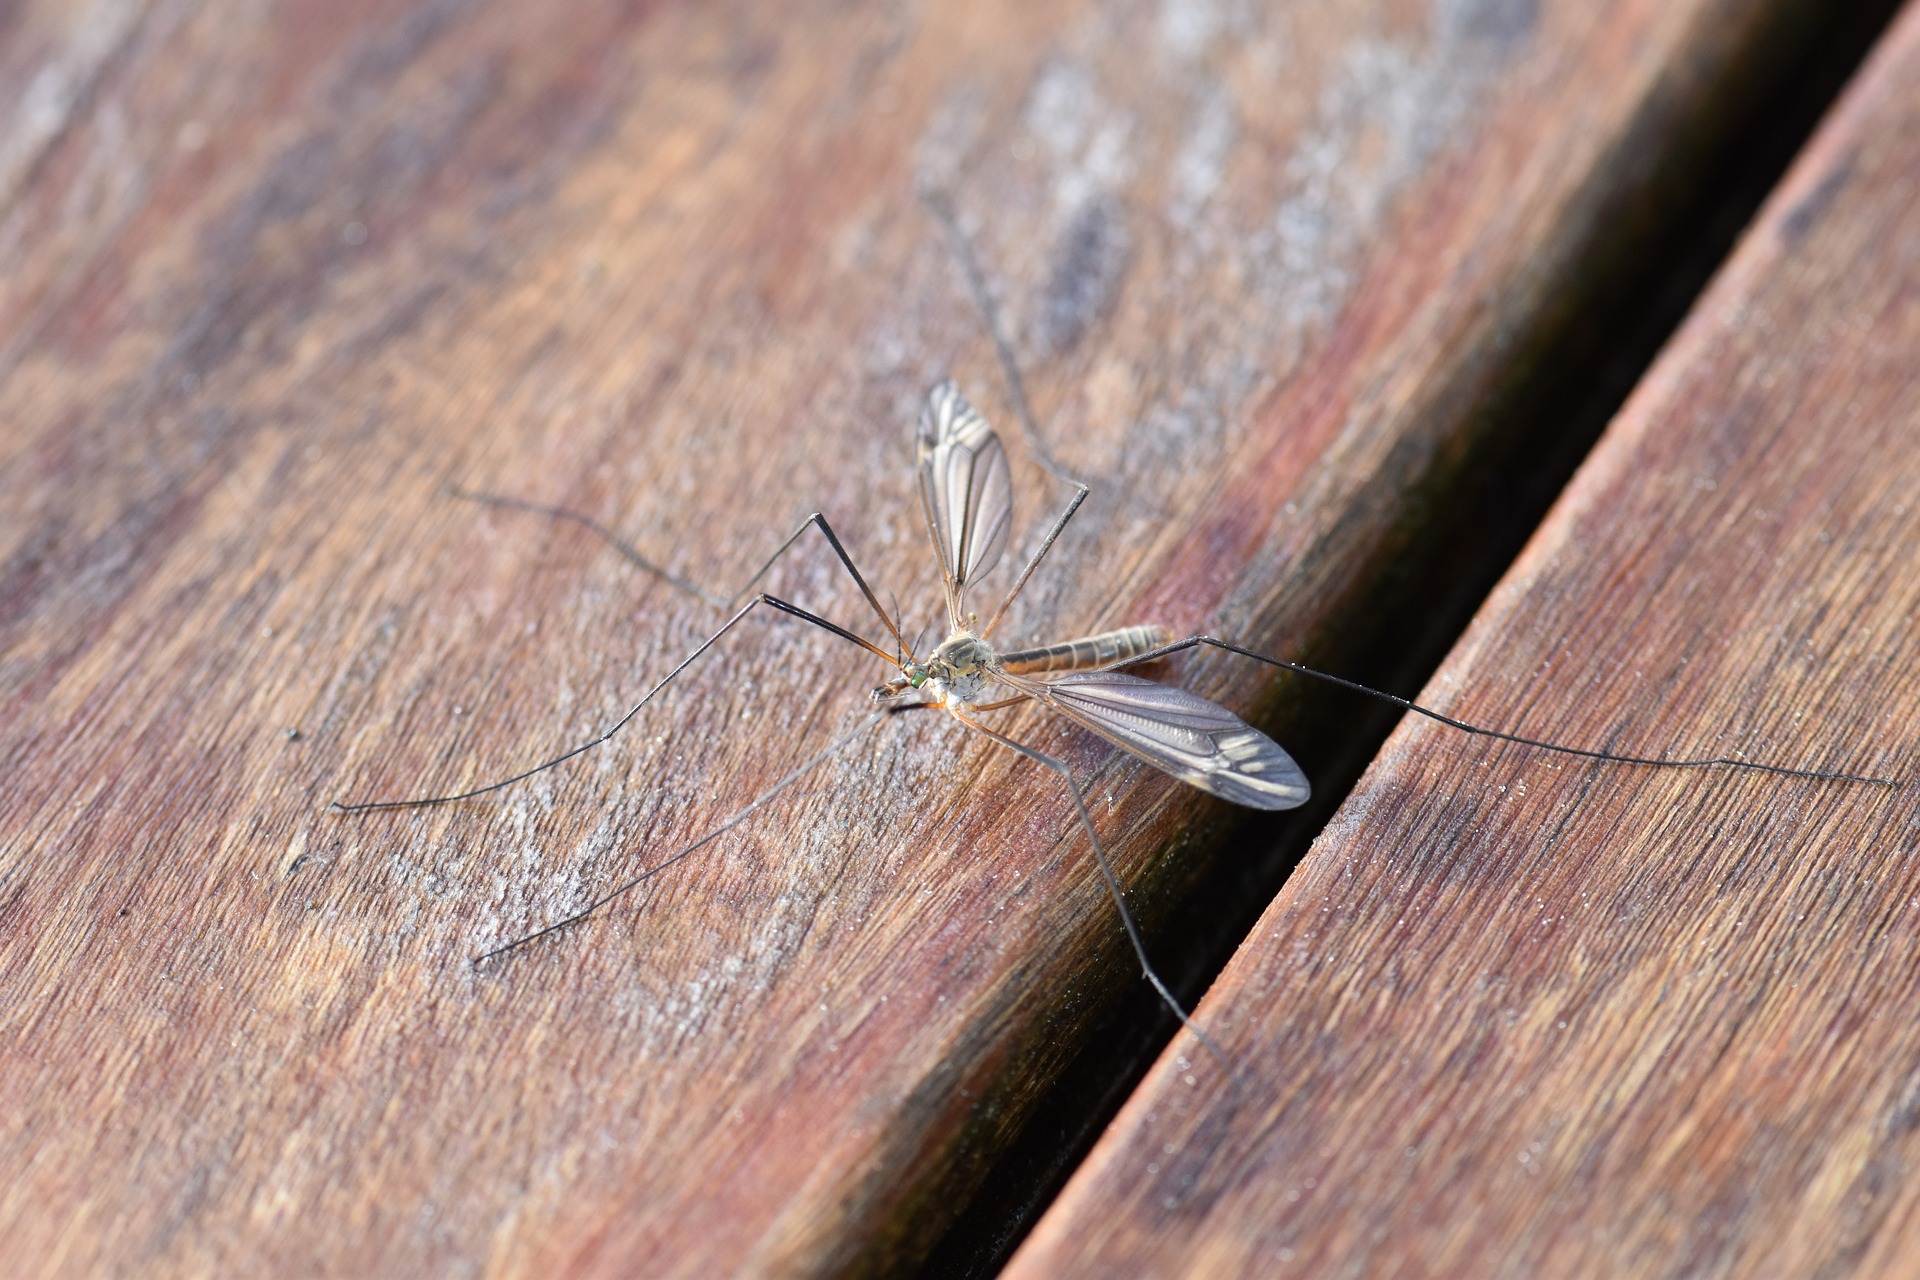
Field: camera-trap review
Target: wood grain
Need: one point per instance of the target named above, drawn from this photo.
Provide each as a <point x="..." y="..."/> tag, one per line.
<point x="1521" y="1016"/>
<point x="278" y="275"/>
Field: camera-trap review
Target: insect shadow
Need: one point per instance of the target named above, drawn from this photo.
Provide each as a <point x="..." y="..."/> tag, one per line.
<point x="966" y="497"/>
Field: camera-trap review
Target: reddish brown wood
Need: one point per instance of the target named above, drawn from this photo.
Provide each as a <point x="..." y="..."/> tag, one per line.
<point x="277" y="274"/>
<point x="1524" y="1017"/>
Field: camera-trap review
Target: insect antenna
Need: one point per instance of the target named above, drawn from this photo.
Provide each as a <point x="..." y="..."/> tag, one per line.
<point x="1588" y="753"/>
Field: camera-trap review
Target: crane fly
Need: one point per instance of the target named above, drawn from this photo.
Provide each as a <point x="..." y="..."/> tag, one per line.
<point x="966" y="496"/>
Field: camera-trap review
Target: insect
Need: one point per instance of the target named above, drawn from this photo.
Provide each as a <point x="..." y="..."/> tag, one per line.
<point x="966" y="494"/>
<point x="966" y="497"/>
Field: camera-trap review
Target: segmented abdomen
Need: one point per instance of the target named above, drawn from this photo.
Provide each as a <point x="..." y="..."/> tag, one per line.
<point x="1102" y="650"/>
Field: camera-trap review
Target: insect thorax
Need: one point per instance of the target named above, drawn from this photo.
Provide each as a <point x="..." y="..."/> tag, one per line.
<point x="962" y="667"/>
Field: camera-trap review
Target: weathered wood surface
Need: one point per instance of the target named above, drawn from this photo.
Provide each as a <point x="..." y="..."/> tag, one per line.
<point x="1522" y="1016"/>
<point x="276" y="275"/>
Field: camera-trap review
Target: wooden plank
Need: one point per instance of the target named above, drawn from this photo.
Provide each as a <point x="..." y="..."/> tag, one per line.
<point x="278" y="275"/>
<point x="1516" y="1015"/>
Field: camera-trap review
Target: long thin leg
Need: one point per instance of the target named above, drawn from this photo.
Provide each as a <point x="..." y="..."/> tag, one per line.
<point x="942" y="210"/>
<point x="614" y="540"/>
<point x="627" y="550"/>
<point x="771" y="601"/>
<point x="1106" y="873"/>
<point x="1033" y="562"/>
<point x="1004" y="702"/>
<point x="1584" y="752"/>
<point x="794" y="775"/>
<point x="941" y="207"/>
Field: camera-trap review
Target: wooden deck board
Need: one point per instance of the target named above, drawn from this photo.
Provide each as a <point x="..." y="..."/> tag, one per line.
<point x="276" y="276"/>
<point x="1524" y="1016"/>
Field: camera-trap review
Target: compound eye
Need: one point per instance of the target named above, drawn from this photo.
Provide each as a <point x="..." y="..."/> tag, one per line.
<point x="916" y="677"/>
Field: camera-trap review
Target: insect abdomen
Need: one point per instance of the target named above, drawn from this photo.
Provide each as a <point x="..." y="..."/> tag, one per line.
<point x="1102" y="650"/>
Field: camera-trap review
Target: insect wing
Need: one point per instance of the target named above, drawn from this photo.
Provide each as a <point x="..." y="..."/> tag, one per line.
<point x="965" y="484"/>
<point x="1181" y="732"/>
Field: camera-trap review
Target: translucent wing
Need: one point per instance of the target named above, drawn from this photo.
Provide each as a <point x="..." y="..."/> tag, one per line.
<point x="966" y="488"/>
<point x="1196" y="741"/>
